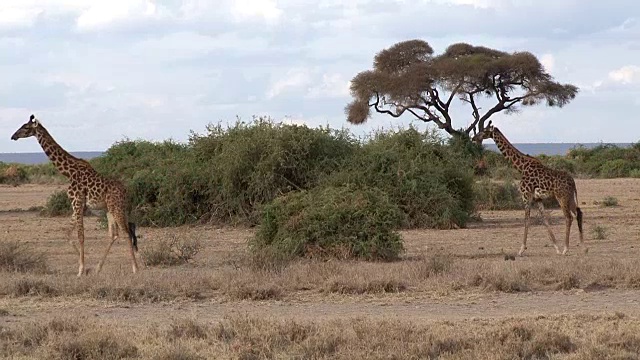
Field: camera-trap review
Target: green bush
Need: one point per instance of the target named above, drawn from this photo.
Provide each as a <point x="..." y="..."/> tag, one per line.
<point x="606" y="160"/>
<point x="253" y="163"/>
<point x="12" y="174"/>
<point x="343" y="221"/>
<point x="493" y="195"/>
<point x="559" y="163"/>
<point x="225" y="174"/>
<point x="432" y="183"/>
<point x="616" y="168"/>
<point x="58" y="204"/>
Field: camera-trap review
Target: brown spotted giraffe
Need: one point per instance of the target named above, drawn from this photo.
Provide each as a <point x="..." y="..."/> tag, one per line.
<point x="538" y="183"/>
<point x="87" y="188"/>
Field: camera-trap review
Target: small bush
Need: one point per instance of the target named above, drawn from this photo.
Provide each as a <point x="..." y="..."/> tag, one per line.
<point x="599" y="232"/>
<point x="609" y="201"/>
<point x="342" y="222"/>
<point x="16" y="256"/>
<point x="171" y="252"/>
<point x="58" y="204"/>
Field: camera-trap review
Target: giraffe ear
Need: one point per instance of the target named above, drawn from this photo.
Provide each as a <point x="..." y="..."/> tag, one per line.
<point x="36" y="123"/>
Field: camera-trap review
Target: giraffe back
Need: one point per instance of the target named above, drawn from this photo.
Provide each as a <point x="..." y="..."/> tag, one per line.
<point x="543" y="181"/>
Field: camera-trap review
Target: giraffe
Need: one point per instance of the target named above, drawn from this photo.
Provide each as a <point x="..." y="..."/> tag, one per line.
<point x="87" y="188"/>
<point x="538" y="183"/>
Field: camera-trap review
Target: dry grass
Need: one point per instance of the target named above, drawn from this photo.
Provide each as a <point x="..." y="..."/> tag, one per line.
<point x="16" y="256"/>
<point x="454" y="274"/>
<point x="242" y="337"/>
<point x="436" y="275"/>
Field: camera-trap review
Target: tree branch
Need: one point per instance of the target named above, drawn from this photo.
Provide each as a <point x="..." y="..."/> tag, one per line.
<point x="453" y="93"/>
<point x="476" y="113"/>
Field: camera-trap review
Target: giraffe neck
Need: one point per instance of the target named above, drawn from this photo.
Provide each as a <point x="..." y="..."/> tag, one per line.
<point x="517" y="158"/>
<point x="60" y="158"/>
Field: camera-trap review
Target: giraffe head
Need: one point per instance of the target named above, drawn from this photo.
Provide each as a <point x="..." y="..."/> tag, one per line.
<point x="27" y="130"/>
<point x="486" y="133"/>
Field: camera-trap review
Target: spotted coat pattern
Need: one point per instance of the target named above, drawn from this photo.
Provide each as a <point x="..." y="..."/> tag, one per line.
<point x="87" y="188"/>
<point x="540" y="182"/>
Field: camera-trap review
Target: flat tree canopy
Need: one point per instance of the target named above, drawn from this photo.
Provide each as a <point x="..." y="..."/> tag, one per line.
<point x="407" y="77"/>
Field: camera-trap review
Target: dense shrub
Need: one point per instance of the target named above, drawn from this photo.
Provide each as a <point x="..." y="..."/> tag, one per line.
<point x="343" y="221"/>
<point x="253" y="163"/>
<point x="12" y="174"/>
<point x="493" y="195"/>
<point x="166" y="185"/>
<point x="606" y="160"/>
<point x="432" y="183"/>
<point x="559" y="163"/>
<point x="225" y="174"/>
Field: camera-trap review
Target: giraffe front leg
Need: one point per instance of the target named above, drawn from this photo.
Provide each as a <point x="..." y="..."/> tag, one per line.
<point x="527" y="215"/>
<point x="78" y="210"/>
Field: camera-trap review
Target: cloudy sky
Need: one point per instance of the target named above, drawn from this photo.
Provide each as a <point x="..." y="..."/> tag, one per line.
<point x="98" y="71"/>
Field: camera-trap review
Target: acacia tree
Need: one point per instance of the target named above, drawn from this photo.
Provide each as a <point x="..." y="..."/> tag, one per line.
<point x="407" y="77"/>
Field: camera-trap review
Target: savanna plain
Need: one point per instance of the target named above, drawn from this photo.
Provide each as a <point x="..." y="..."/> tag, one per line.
<point x="454" y="294"/>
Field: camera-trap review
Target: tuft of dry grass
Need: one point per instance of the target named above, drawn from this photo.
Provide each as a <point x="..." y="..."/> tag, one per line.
<point x="17" y="256"/>
<point x="64" y="338"/>
<point x="172" y="251"/>
<point x="244" y="337"/>
<point x="599" y="232"/>
<point x="436" y="274"/>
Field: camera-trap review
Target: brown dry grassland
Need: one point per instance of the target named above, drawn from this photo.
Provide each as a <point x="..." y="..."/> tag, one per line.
<point x="452" y="296"/>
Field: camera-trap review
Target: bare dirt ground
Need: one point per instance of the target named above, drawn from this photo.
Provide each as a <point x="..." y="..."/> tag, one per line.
<point x="482" y="244"/>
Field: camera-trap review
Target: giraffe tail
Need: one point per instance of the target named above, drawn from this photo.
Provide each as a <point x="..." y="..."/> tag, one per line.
<point x="578" y="212"/>
<point x="579" y="218"/>
<point x="132" y="235"/>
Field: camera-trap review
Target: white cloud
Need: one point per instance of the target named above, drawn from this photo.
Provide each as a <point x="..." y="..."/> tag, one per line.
<point x="625" y="75"/>
<point x="332" y="86"/>
<point x="104" y="13"/>
<point x="294" y="78"/>
<point x="548" y="61"/>
<point x="14" y="17"/>
<point x="248" y="9"/>
<point x="177" y="64"/>
<point x="475" y="3"/>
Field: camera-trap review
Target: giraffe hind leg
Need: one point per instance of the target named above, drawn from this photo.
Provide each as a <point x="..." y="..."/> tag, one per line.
<point x="113" y="236"/>
<point x="547" y="226"/>
<point x="122" y="224"/>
